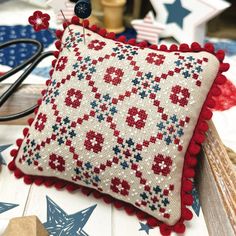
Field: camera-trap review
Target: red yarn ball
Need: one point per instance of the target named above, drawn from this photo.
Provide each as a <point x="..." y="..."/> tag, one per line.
<point x="30" y="121"/>
<point x="111" y="35"/>
<point x="102" y="32"/>
<point x="165" y="230"/>
<point x="187" y="214"/>
<point x="179" y="228"/>
<point x="75" y="20"/>
<point x="209" y="47"/>
<point x="153" y="222"/>
<point x="12" y="166"/>
<point x="221" y="79"/>
<point x="19" y="142"/>
<point x="129" y="210"/>
<point x="59" y="33"/>
<point x="154" y="47"/>
<point x="189" y="173"/>
<point x="224" y="67"/>
<point x="58" y="44"/>
<point x="207" y="114"/>
<point x="184" y="47"/>
<point x="94" y="28"/>
<point x="14" y="152"/>
<point x="25" y="131"/>
<point x="28" y="180"/>
<point x="173" y="47"/>
<point x="220" y="55"/>
<point x="203" y="126"/>
<point x="38" y="181"/>
<point x="187" y="185"/>
<point x="18" y="174"/>
<point x="195" y="47"/>
<point x="188" y="199"/>
<point x="210" y="103"/>
<point x="194" y="149"/>
<point x="118" y="204"/>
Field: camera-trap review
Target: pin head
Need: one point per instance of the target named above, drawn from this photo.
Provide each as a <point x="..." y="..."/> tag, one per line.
<point x="83" y="9"/>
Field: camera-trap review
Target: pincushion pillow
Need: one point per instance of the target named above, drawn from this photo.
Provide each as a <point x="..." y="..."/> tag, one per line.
<point x="124" y="121"/>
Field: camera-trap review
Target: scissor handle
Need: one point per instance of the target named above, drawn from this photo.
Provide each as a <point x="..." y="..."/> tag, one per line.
<point x="34" y="60"/>
<point x="25" y="63"/>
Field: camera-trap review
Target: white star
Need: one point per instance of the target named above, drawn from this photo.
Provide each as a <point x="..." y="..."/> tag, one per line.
<point x="194" y="24"/>
<point x="148" y="29"/>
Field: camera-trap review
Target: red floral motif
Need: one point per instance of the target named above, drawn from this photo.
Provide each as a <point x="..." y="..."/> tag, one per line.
<point x="113" y="75"/>
<point x="179" y="95"/>
<point x="39" y="21"/>
<point x="73" y="98"/>
<point x="40" y="123"/>
<point x="120" y="186"/>
<point x="61" y="63"/>
<point x="94" y="141"/>
<point x="162" y="165"/>
<point x="156" y="59"/>
<point x="136" y="117"/>
<point x="96" y="45"/>
<point x="57" y="162"/>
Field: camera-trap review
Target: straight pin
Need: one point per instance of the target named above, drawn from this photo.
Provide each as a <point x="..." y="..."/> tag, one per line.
<point x="83" y="10"/>
<point x="84" y="33"/>
<point x="71" y="34"/>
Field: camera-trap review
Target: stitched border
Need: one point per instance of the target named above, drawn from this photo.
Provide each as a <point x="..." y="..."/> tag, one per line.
<point x="190" y="159"/>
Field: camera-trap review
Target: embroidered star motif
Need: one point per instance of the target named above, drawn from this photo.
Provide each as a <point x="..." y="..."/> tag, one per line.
<point x="60" y="223"/>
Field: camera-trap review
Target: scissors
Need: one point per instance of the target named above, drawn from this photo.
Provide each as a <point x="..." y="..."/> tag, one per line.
<point x="30" y="64"/>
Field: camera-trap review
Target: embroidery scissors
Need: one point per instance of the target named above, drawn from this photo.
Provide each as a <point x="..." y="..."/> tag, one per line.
<point x="30" y="64"/>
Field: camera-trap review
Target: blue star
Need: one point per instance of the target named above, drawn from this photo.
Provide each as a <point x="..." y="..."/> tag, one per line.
<point x="145" y="227"/>
<point x="60" y="223"/>
<point x="2" y="148"/>
<point x="6" y="206"/>
<point x="176" y="13"/>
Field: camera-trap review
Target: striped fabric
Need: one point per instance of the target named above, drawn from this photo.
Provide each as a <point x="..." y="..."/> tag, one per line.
<point x="148" y="29"/>
<point x="68" y="11"/>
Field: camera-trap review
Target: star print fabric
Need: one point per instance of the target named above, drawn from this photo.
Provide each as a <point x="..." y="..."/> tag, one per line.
<point x="118" y="118"/>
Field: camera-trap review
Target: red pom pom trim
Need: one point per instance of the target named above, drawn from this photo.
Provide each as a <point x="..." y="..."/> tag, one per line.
<point x="192" y="151"/>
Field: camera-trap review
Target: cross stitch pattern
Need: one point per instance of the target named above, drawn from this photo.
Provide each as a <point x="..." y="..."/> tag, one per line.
<point x="118" y="118"/>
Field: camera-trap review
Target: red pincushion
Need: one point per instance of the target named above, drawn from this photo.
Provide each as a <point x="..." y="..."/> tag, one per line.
<point x="123" y="121"/>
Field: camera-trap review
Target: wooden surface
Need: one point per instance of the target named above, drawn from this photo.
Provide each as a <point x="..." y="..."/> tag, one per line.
<point x="25" y="97"/>
<point x="217" y="184"/>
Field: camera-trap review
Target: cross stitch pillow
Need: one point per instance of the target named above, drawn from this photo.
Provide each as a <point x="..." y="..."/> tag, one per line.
<point x="123" y="120"/>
